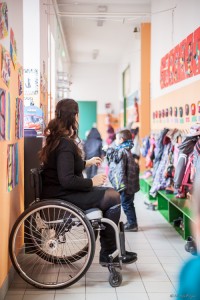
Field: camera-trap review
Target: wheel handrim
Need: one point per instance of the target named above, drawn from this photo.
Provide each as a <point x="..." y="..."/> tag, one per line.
<point x="35" y="267"/>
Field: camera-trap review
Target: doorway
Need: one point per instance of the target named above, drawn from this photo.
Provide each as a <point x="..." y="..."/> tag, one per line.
<point x="87" y="116"/>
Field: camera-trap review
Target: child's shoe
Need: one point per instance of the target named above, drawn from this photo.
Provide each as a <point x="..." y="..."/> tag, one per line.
<point x="130" y="227"/>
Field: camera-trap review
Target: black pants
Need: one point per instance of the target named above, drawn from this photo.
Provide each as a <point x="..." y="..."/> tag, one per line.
<point x="109" y="203"/>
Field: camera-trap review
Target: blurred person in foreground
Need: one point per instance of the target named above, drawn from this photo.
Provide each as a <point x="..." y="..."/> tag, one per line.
<point x="189" y="278"/>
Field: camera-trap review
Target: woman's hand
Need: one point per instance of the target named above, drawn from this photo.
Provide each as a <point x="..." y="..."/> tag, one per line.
<point x="93" y="161"/>
<point x="99" y="179"/>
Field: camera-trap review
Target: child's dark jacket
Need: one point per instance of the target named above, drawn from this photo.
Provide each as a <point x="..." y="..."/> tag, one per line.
<point x="123" y="170"/>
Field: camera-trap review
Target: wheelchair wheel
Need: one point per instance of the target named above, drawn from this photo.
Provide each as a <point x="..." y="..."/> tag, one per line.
<point x="52" y="244"/>
<point x="46" y="253"/>
<point x="115" y="279"/>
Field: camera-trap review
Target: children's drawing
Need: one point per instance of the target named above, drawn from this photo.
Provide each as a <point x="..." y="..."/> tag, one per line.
<point x="4" y="115"/>
<point x="20" y="81"/>
<point x="12" y="166"/>
<point x="189" y="56"/>
<point x="19" y="119"/>
<point x="5" y="71"/>
<point x="13" y="48"/>
<point x="3" y="20"/>
<point x="196" y="52"/>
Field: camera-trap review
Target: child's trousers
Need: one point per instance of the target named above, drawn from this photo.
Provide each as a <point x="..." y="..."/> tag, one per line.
<point x="127" y="202"/>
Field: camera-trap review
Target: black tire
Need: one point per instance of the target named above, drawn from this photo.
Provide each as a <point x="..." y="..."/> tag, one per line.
<point x="115" y="279"/>
<point x="122" y="238"/>
<point x="44" y="260"/>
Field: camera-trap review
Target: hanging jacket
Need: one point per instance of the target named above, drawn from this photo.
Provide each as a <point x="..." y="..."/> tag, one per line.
<point x="136" y="147"/>
<point x="185" y="148"/>
<point x="158" y="151"/>
<point x="145" y="146"/>
<point x="123" y="170"/>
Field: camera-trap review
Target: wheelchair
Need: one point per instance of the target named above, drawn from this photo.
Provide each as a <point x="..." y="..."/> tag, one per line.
<point x="52" y="243"/>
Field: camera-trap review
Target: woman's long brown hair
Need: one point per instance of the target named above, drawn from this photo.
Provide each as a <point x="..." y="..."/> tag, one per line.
<point x="63" y="125"/>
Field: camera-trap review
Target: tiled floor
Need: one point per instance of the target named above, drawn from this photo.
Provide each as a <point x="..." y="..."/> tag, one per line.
<point x="160" y="254"/>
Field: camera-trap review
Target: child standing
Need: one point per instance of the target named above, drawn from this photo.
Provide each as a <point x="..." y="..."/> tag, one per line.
<point x="124" y="175"/>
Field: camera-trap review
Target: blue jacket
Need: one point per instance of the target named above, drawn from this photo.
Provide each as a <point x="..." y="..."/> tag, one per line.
<point x="189" y="280"/>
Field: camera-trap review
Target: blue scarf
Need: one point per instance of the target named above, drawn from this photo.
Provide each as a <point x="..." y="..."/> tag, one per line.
<point x="126" y="144"/>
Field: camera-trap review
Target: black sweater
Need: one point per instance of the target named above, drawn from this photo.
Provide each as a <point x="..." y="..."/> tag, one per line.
<point x="62" y="173"/>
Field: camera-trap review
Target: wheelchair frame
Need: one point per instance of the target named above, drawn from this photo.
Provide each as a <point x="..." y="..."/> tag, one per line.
<point x="52" y="243"/>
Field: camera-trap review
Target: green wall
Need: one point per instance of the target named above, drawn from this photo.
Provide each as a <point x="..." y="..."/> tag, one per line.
<point x="87" y="116"/>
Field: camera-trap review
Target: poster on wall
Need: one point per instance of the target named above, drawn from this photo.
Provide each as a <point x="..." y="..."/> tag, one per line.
<point x="3" y="20"/>
<point x="171" y="67"/>
<point x="19" y="119"/>
<point x="196" y="52"/>
<point x="12" y="166"/>
<point x="5" y="70"/>
<point x="177" y="64"/>
<point x="33" y="119"/>
<point x="182" y="59"/>
<point x="4" y="115"/>
<point x="166" y="70"/>
<point x="20" y="81"/>
<point x="13" y="48"/>
<point x="189" y="56"/>
<point x="31" y="81"/>
<point x="162" y="73"/>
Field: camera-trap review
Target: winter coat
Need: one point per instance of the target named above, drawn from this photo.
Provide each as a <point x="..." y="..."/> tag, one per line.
<point x="93" y="144"/>
<point x="123" y="170"/>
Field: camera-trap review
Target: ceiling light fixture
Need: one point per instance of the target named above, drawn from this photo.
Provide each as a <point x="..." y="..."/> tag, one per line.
<point x="100" y="20"/>
<point x="95" y="53"/>
<point x="136" y="30"/>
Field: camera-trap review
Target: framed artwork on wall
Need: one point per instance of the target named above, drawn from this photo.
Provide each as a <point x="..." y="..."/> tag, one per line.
<point x="5" y="68"/>
<point x="4" y="115"/>
<point x="12" y="166"/>
<point x="3" y="20"/>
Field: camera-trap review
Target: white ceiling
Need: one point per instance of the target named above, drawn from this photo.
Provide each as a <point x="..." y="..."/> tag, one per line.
<point x="79" y="22"/>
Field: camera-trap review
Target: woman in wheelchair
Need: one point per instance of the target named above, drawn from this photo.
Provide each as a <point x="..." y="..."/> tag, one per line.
<point x="62" y="177"/>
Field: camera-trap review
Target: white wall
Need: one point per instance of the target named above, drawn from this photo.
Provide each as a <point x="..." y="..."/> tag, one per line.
<point x="103" y="82"/>
<point x="95" y="82"/>
<point x="132" y="58"/>
<point x="15" y="8"/>
<point x="57" y="52"/>
<point x="31" y="32"/>
<point x="43" y="35"/>
<point x="169" y="27"/>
